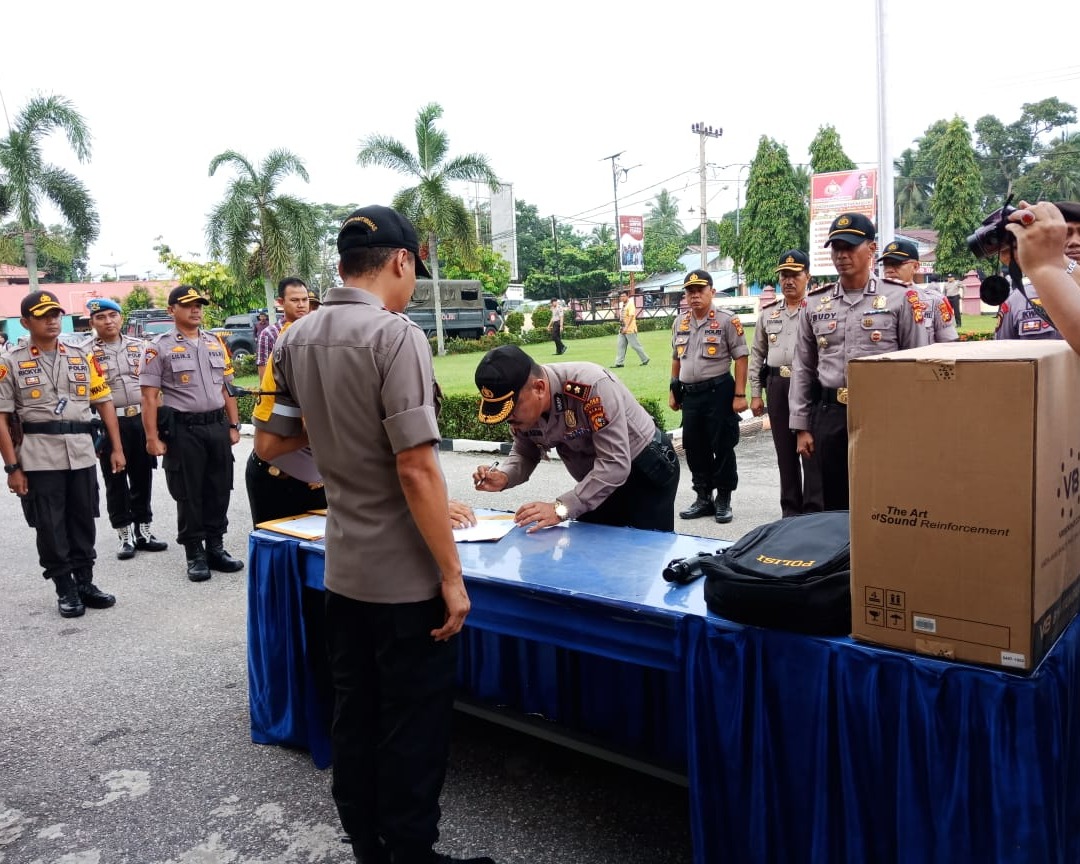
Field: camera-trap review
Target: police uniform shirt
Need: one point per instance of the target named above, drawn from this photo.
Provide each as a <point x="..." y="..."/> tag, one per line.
<point x="835" y="328"/>
<point x="42" y="387"/>
<point x="360" y="378"/>
<point x="597" y="427"/>
<point x="1018" y="318"/>
<point x="938" y="312"/>
<point x="774" y="340"/>
<point x="189" y="372"/>
<point x="119" y="363"/>
<point x="706" y="347"/>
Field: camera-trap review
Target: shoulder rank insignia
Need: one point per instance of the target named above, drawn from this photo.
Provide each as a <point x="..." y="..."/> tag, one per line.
<point x="577" y="390"/>
<point x="772" y="302"/>
<point x="891" y="281"/>
<point x="827" y="286"/>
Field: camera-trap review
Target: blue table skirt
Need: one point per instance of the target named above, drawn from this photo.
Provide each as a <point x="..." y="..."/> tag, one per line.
<point x="826" y="750"/>
<point x="798" y="749"/>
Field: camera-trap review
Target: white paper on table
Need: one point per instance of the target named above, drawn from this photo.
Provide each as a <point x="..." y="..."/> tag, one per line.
<point x="486" y="528"/>
<point x="307" y="527"/>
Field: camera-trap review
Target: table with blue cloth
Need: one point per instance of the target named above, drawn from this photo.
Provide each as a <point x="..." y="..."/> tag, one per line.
<point x="795" y="748"/>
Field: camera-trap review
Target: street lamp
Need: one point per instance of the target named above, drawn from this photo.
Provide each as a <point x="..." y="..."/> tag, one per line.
<point x="703" y="132"/>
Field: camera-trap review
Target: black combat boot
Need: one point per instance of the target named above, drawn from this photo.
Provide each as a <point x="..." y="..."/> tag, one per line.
<point x="723" y="507"/>
<point x="89" y="593"/>
<point x="219" y="559"/>
<point x="197" y="569"/>
<point x="67" y="597"/>
<point x="145" y="541"/>
<point x="703" y="506"/>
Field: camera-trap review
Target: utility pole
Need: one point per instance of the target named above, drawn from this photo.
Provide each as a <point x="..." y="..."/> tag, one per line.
<point x="616" y="170"/>
<point x="555" y="240"/>
<point x="703" y="132"/>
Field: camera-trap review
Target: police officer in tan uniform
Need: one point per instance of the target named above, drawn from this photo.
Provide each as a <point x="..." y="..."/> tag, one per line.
<point x="704" y="342"/>
<point x="128" y="493"/>
<point x="772" y="355"/>
<point x="626" y="470"/>
<point x="900" y="265"/>
<point x="356" y="382"/>
<point x="195" y="430"/>
<point x="49" y="387"/>
<point x="858" y="316"/>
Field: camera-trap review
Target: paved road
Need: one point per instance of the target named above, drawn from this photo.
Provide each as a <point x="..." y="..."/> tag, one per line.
<point x="124" y="734"/>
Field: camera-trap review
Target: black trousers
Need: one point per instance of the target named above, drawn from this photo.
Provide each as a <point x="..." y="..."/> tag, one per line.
<point x="199" y="473"/>
<point x="800" y="478"/>
<point x="955" y="303"/>
<point x="128" y="494"/>
<point x="556" y="335"/>
<point x="394" y="695"/>
<point x="61" y="507"/>
<point x="640" y="502"/>
<point x="275" y="497"/>
<point x="710" y="433"/>
<point x="829" y="428"/>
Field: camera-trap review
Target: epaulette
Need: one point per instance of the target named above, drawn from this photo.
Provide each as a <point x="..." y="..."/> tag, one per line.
<point x="772" y="302"/>
<point x="892" y="281"/>
<point x="828" y="286"/>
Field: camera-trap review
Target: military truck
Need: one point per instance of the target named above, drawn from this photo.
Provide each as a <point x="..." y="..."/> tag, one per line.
<point x="467" y="311"/>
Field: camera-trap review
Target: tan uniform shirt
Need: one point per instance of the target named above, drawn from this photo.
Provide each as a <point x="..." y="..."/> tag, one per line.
<point x="595" y="425"/>
<point x="937" y="312"/>
<point x="119" y="362"/>
<point x="629" y="317"/>
<point x="43" y="386"/>
<point x="775" y="336"/>
<point x="360" y="377"/>
<point x="706" y="347"/>
<point x="835" y="328"/>
<point x="189" y="372"/>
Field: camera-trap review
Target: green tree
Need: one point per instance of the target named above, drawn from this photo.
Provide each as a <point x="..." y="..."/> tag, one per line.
<point x="956" y="206"/>
<point x="262" y="233"/>
<point x="61" y="257"/>
<point x="826" y="153"/>
<point x="215" y="280"/>
<point x="27" y="179"/>
<point x="533" y="231"/>
<point x="429" y="204"/>
<point x="661" y="257"/>
<point x="911" y="190"/>
<point x="485" y="264"/>
<point x="774" y="217"/>
<point x="1005" y="152"/>
<point x="662" y="223"/>
<point x="138" y="298"/>
<point x="1056" y="175"/>
<point x="325" y="275"/>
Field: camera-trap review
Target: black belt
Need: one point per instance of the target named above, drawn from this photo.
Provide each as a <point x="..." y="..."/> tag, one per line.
<point x="834" y="396"/>
<point x="200" y="418"/>
<point x="274" y="471"/>
<point x="58" y="427"/>
<point x="782" y="371"/>
<point x="705" y="386"/>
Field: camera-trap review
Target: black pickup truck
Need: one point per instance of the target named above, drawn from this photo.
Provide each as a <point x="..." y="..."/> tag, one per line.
<point x="238" y="333"/>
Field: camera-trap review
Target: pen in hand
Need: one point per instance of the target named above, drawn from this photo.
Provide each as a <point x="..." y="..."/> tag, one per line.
<point x="489" y="469"/>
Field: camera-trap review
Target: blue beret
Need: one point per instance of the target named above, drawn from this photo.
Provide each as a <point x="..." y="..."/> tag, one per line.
<point x="101" y="304"/>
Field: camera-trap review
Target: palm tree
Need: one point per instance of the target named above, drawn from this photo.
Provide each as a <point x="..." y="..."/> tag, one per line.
<point x="602" y="234"/>
<point x="262" y="233"/>
<point x="26" y="178"/>
<point x="430" y="205"/>
<point x="662" y="220"/>
<point x="912" y="190"/>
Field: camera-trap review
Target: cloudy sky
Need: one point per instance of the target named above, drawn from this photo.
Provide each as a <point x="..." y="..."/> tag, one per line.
<point x="545" y="91"/>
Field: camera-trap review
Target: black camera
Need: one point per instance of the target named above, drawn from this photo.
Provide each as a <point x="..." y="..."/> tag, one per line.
<point x="685" y="570"/>
<point x="991" y="237"/>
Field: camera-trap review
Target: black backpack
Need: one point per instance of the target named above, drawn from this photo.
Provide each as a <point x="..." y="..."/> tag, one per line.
<point x="793" y="574"/>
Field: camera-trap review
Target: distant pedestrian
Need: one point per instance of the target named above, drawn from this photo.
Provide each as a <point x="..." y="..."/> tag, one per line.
<point x="556" y="324"/>
<point x="954" y="291"/>
<point x="628" y="332"/>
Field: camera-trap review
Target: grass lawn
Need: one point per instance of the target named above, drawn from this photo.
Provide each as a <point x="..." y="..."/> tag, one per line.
<point x="455" y="373"/>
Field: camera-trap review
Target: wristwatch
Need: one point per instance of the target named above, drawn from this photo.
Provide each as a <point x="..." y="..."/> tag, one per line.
<point x="235" y="426"/>
<point x="561" y="510"/>
<point x="15" y="466"/>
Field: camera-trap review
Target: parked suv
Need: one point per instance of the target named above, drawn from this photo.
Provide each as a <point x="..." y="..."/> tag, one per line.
<point x="147" y="323"/>
<point x="238" y="333"/>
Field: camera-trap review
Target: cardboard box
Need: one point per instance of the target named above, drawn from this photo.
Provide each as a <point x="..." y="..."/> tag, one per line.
<point x="965" y="499"/>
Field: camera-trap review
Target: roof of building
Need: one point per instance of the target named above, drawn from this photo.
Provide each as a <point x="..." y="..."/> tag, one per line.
<point x="72" y="296"/>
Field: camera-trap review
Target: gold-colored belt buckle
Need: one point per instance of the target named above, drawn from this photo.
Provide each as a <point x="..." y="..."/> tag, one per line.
<point x="314" y="486"/>
<point x="274" y="471"/>
<point x="785" y="371"/>
<point x="131" y="410"/>
<point x="841" y="395"/>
